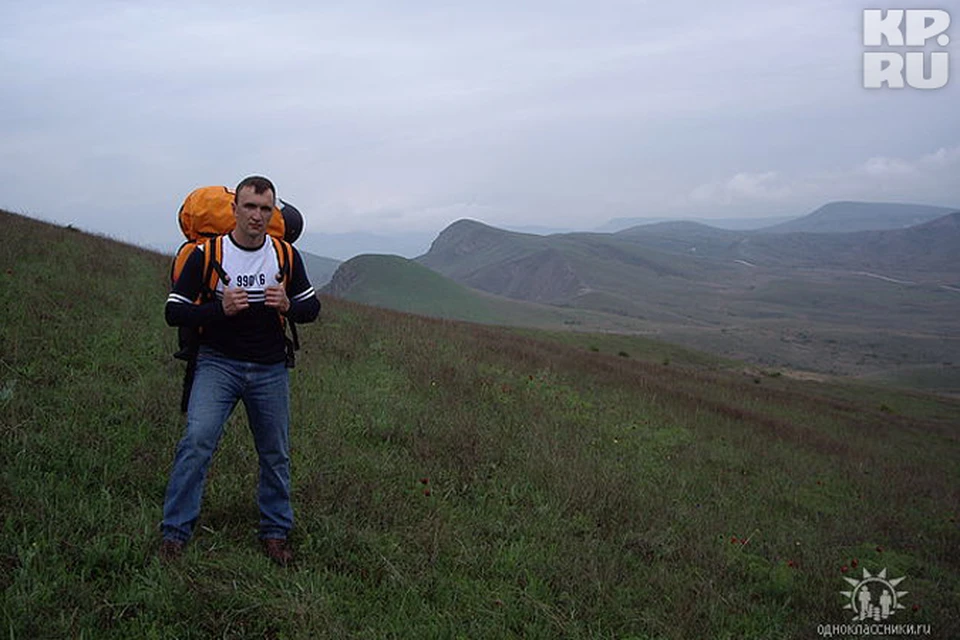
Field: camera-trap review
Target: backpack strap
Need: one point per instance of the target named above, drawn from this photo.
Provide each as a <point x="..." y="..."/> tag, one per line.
<point x="179" y="259"/>
<point x="285" y="261"/>
<point x="212" y="269"/>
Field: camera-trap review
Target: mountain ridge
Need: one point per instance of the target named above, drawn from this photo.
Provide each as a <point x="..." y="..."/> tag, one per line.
<point x="849" y="215"/>
<point x="705" y="285"/>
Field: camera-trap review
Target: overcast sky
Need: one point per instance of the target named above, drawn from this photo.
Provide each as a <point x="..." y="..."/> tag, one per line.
<point x="406" y="116"/>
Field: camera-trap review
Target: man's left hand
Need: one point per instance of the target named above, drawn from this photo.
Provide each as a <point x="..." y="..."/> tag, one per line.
<point x="277" y="298"/>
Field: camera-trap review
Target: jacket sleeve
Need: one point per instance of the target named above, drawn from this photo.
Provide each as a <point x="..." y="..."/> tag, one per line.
<point x="304" y="303"/>
<point x="180" y="310"/>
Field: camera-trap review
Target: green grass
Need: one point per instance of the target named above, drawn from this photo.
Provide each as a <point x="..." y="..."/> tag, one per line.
<point x="572" y="493"/>
<point x="943" y="378"/>
<point x="634" y="346"/>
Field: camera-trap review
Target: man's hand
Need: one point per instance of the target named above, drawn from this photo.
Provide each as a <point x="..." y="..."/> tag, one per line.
<point x="234" y="301"/>
<point x="277" y="298"/>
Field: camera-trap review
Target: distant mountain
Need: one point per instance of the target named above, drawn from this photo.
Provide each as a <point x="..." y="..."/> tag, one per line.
<point x="733" y="224"/>
<point x="929" y="248"/>
<point x="674" y="227"/>
<point x="840" y="217"/>
<point x="538" y="229"/>
<point x="684" y="237"/>
<point x="466" y="248"/>
<point x="949" y="223"/>
<point x="681" y="270"/>
<point x="319" y="269"/>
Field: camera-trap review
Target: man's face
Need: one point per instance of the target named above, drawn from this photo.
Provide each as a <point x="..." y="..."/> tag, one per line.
<point x="253" y="211"/>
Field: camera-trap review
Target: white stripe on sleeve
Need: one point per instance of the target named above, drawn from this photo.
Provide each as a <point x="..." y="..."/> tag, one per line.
<point x="176" y="297"/>
<point x="303" y="296"/>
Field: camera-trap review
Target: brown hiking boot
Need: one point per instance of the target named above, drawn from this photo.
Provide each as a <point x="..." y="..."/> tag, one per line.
<point x="170" y="550"/>
<point x="278" y="550"/>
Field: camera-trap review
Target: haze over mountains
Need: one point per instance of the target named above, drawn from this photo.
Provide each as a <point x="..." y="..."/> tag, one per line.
<point x="735" y="224"/>
<point x="343" y="246"/>
<point x="837" y="217"/>
<point x="319" y="268"/>
<point x="796" y="295"/>
<point x="833" y="217"/>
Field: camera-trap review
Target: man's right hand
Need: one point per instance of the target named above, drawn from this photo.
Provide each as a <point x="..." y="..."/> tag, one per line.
<point x="234" y="301"/>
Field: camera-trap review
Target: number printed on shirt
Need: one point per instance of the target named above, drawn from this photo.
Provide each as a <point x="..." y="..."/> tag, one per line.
<point x="245" y="281"/>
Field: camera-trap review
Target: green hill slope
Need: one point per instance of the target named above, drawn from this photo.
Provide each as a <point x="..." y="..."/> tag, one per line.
<point x="399" y="283"/>
<point x="450" y="480"/>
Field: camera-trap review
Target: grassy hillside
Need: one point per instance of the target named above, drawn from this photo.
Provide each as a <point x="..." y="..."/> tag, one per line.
<point x="450" y="480"/>
<point x="399" y="283"/>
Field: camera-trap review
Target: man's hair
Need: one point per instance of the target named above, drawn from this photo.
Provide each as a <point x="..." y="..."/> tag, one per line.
<point x="259" y="184"/>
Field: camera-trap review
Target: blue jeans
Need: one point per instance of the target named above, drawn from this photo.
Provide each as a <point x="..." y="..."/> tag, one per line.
<point x="218" y="384"/>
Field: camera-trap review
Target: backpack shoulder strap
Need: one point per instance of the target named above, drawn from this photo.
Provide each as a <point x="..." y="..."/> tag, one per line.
<point x="179" y="260"/>
<point x="284" y="260"/>
<point x="212" y="268"/>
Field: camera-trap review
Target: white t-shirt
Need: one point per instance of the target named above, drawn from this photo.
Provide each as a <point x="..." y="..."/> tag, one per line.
<point x="250" y="269"/>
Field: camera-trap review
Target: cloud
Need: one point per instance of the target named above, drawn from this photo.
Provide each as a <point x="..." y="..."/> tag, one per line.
<point x="942" y="160"/>
<point x="928" y="178"/>
<point x="943" y="157"/>
<point x="766" y="186"/>
<point x="932" y="172"/>
<point x="884" y="167"/>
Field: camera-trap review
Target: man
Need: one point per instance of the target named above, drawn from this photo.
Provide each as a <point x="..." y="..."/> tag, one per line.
<point x="242" y="356"/>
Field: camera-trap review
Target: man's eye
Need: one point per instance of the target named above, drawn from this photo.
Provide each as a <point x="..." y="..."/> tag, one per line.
<point x="266" y="209"/>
